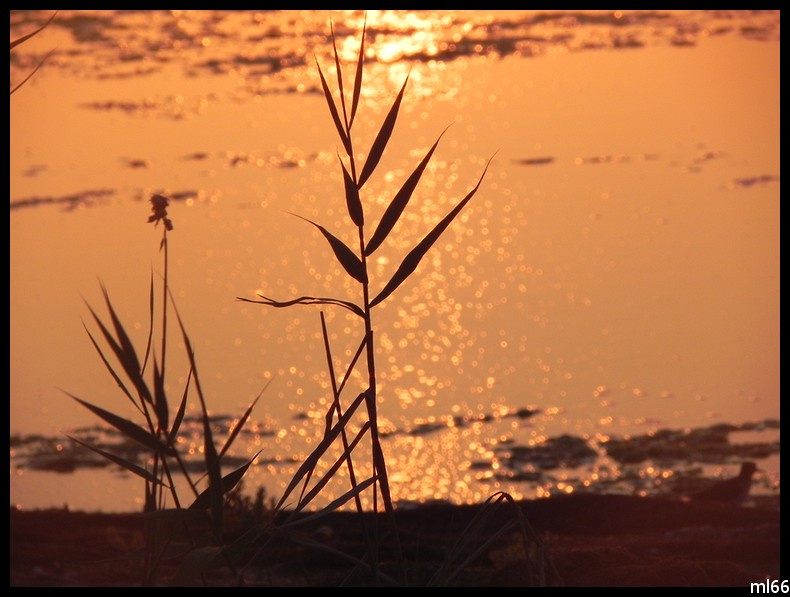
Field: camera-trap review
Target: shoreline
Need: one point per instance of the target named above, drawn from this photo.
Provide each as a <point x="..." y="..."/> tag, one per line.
<point x="588" y="540"/>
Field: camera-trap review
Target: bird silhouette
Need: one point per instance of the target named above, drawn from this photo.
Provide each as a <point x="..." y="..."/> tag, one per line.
<point x="733" y="491"/>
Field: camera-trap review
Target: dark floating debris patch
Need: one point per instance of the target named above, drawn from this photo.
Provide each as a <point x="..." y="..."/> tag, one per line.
<point x="62" y="455"/>
<point x="135" y="163"/>
<point x="69" y="202"/>
<point x="745" y="183"/>
<point x="602" y="159"/>
<point x="565" y="451"/>
<point x="35" y="170"/>
<point x="534" y="161"/>
<point x="196" y="156"/>
<point x="708" y="444"/>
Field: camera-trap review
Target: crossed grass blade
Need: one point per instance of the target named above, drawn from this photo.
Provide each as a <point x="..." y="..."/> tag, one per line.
<point x="399" y="202"/>
<point x="411" y="260"/>
<point x="228" y="482"/>
<point x="310" y="462"/>
<point x="303" y="502"/>
<point x="336" y="407"/>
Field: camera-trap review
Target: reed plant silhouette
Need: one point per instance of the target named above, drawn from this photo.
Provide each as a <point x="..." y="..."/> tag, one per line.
<point x="194" y="534"/>
<point x="355" y="262"/>
<point x="191" y="532"/>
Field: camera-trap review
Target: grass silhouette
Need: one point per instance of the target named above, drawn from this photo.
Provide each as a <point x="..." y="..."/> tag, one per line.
<point x="193" y="532"/>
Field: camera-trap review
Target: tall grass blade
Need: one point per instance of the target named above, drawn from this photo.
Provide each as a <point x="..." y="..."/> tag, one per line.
<point x="358" y="77"/>
<point x="209" y="451"/>
<point x="399" y="202"/>
<point x="128" y="428"/>
<point x="411" y="261"/>
<point x="112" y="371"/>
<point x="352" y="197"/>
<point x="333" y="110"/>
<point x="129" y="466"/>
<point x="347" y="258"/>
<point x="124" y="349"/>
<point x="35" y="70"/>
<point x="129" y="364"/>
<point x="240" y="425"/>
<point x="377" y="149"/>
<point x="149" y="341"/>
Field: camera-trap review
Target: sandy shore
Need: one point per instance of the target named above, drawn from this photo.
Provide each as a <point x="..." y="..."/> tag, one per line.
<point x="588" y="540"/>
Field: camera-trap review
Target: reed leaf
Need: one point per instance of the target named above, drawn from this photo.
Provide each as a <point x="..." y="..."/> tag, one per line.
<point x="347" y="258"/>
<point x="124" y="349"/>
<point x="358" y="77"/>
<point x="306" y="300"/>
<point x="333" y="110"/>
<point x="128" y="428"/>
<point x="123" y="338"/>
<point x="339" y="76"/>
<point x="129" y="466"/>
<point x="411" y="260"/>
<point x="129" y="364"/>
<point x="352" y="197"/>
<point x="112" y="371"/>
<point x="399" y="202"/>
<point x="377" y="149"/>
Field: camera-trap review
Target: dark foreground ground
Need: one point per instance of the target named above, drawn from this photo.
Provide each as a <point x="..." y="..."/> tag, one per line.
<point x="585" y="540"/>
